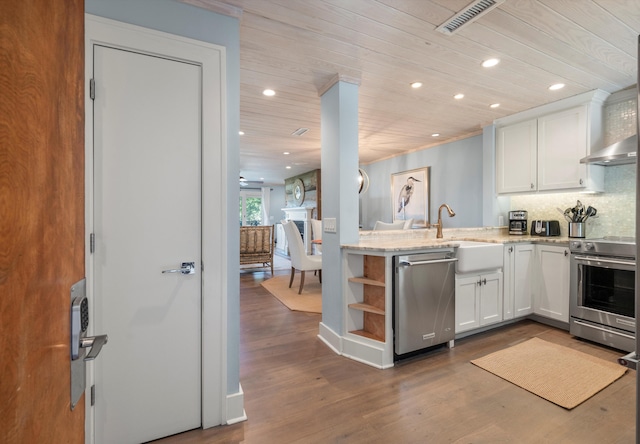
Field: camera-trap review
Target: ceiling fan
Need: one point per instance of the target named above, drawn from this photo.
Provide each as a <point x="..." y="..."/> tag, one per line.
<point x="245" y="183"/>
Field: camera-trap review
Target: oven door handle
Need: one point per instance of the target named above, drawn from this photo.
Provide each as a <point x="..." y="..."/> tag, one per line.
<point x="589" y="259"/>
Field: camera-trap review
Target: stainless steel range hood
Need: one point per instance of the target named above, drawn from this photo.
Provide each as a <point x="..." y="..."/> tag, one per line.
<point x="619" y="153"/>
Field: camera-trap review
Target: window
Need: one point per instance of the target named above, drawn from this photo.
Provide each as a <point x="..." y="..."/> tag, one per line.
<point x="250" y="208"/>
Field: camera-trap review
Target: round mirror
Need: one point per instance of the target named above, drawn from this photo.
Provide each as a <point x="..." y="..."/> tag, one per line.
<point x="298" y="192"/>
<point x="363" y="181"/>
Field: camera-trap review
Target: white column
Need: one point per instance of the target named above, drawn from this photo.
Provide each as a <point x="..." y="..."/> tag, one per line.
<point x="339" y="142"/>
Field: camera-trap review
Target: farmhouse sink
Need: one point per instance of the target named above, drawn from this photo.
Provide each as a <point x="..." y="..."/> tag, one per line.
<point x="478" y="256"/>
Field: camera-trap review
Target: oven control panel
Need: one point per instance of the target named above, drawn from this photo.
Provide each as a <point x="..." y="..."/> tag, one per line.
<point x="581" y="246"/>
<point x="604" y="247"/>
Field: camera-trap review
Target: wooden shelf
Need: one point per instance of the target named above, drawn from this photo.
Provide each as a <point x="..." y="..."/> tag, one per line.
<point x="366" y="307"/>
<point x="368" y="335"/>
<point x="366" y="281"/>
<point x="369" y="302"/>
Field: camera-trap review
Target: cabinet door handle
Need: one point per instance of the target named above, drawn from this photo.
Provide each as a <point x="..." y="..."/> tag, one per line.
<point x="581" y="181"/>
<point x="532" y="186"/>
<point x="510" y="249"/>
<point x="566" y="253"/>
<point x="484" y="281"/>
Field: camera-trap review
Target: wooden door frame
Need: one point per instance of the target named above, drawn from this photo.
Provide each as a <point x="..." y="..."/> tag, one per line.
<point x="212" y="58"/>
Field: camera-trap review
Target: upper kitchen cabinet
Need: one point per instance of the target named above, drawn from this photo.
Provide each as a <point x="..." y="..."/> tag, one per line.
<point x="540" y="149"/>
<point x="516" y="156"/>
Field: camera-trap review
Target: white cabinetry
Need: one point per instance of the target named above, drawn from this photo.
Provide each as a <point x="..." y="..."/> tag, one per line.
<point x="540" y="149"/>
<point x="562" y="142"/>
<point x="516" y="156"/>
<point x="552" y="296"/>
<point x="519" y="261"/>
<point x="478" y="300"/>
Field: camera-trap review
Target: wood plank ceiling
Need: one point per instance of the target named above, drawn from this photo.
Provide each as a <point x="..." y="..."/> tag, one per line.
<point x="296" y="47"/>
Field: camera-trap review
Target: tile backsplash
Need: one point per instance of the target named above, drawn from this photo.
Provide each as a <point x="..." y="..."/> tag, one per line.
<point x="616" y="206"/>
<point x="620" y="121"/>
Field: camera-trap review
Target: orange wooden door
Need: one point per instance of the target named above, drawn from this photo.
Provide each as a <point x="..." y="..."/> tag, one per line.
<point x="41" y="215"/>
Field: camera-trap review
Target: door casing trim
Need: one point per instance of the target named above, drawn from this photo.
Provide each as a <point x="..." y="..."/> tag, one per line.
<point x="212" y="58"/>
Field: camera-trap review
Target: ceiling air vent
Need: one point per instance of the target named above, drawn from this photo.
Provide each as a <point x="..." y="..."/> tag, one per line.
<point x="299" y="131"/>
<point x="470" y="13"/>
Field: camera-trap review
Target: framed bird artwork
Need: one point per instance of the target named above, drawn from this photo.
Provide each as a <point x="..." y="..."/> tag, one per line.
<point x="410" y="196"/>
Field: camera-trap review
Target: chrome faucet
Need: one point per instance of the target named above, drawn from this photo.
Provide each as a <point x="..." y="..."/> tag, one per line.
<point x="439" y="224"/>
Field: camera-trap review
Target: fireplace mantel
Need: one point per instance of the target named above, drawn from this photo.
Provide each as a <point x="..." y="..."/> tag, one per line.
<point x="298" y="213"/>
<point x="301" y="214"/>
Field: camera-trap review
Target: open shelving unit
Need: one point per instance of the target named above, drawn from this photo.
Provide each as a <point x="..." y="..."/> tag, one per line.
<point x="368" y="298"/>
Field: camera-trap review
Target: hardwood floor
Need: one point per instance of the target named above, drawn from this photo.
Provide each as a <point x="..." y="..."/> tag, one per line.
<point x="298" y="391"/>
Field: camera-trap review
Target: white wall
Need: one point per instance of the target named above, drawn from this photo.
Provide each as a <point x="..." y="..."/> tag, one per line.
<point x="277" y="203"/>
<point x="456" y="179"/>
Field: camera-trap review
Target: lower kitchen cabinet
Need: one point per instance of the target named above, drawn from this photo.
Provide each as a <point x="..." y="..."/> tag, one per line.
<point x="478" y="300"/>
<point x="518" y="270"/>
<point x="552" y="295"/>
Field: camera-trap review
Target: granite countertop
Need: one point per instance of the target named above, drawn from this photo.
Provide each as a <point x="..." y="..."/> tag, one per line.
<point x="420" y="239"/>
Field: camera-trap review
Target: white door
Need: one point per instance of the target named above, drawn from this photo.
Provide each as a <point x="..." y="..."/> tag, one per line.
<point x="552" y="295"/>
<point x="516" y="162"/>
<point x="491" y="298"/>
<point x="147" y="218"/>
<point x="562" y="142"/>
<point x="523" y="283"/>
<point x="467" y="303"/>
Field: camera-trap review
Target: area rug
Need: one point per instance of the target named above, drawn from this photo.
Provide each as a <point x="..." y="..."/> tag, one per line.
<point x="311" y="298"/>
<point x="556" y="373"/>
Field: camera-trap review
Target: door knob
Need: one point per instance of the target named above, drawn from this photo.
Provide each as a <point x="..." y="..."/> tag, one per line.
<point x="95" y="343"/>
<point x="187" y="268"/>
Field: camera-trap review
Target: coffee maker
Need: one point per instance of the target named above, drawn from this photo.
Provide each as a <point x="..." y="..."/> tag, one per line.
<point x="518" y="222"/>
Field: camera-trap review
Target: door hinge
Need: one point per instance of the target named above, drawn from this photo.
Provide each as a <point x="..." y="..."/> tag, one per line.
<point x="92" y="242"/>
<point x="92" y="89"/>
<point x="93" y="394"/>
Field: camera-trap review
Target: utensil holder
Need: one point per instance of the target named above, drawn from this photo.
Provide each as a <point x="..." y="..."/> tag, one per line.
<point x="576" y="229"/>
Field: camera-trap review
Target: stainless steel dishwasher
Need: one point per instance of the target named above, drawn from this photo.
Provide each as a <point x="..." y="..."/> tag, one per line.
<point x="424" y="300"/>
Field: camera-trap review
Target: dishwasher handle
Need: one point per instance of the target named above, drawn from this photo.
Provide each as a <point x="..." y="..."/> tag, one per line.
<point x="435" y="261"/>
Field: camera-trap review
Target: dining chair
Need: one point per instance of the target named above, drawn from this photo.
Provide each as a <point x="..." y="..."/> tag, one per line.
<point x="300" y="260"/>
<point x="316" y="230"/>
<point x="398" y="225"/>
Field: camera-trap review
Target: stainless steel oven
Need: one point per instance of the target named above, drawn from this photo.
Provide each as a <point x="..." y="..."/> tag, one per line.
<point x="602" y="304"/>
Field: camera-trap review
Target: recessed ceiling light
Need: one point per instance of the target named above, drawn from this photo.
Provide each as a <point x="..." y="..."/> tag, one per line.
<point x="269" y="92"/>
<point x="494" y="105"/>
<point x="288" y="167"/>
<point x="286" y="153"/>
<point x="556" y="86"/>
<point x="490" y="62"/>
<point x="416" y="85"/>
<point x="241" y="133"/>
<point x="435" y="134"/>
<point x="458" y="96"/>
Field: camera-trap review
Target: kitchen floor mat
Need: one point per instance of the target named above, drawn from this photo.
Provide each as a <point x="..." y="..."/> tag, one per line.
<point x="556" y="373"/>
